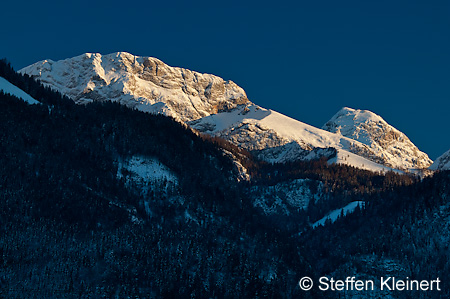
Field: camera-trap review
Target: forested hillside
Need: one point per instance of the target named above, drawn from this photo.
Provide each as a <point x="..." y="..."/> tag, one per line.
<point x="71" y="227"/>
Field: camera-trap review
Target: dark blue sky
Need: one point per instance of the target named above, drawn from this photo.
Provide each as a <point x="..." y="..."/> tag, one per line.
<point x="305" y="59"/>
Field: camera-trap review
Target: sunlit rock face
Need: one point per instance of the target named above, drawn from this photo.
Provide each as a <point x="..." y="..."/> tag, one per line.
<point x="217" y="107"/>
<point x="144" y="83"/>
<point x="393" y="148"/>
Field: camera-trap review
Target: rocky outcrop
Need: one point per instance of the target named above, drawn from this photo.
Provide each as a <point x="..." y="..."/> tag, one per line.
<point x="392" y="147"/>
<point x="217" y="107"/>
<point x="144" y="83"/>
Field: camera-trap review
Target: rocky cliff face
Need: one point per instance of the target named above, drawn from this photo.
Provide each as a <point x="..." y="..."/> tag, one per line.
<point x="392" y="146"/>
<point x="221" y="108"/>
<point x="278" y="138"/>
<point x="144" y="83"/>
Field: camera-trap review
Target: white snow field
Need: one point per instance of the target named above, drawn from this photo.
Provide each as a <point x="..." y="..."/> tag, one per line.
<point x="11" y="89"/>
<point x="334" y="215"/>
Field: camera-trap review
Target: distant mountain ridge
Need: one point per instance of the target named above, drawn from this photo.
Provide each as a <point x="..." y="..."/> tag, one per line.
<point x="442" y="162"/>
<point x="217" y="107"/>
<point x="144" y="83"/>
<point x="99" y="198"/>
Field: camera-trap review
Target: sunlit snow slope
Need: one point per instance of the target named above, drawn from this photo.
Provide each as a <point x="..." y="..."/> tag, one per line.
<point x="279" y="138"/>
<point x="221" y="108"/>
<point x="389" y="145"/>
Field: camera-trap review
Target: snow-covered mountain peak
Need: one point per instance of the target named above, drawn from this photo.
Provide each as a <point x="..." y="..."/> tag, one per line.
<point x="383" y="139"/>
<point x="144" y="83"/>
<point x="347" y="119"/>
<point x="356" y="116"/>
<point x="278" y="138"/>
<point x="218" y="107"/>
<point x="442" y="163"/>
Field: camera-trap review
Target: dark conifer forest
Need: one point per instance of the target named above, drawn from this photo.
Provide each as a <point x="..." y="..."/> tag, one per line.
<point x="70" y="227"/>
